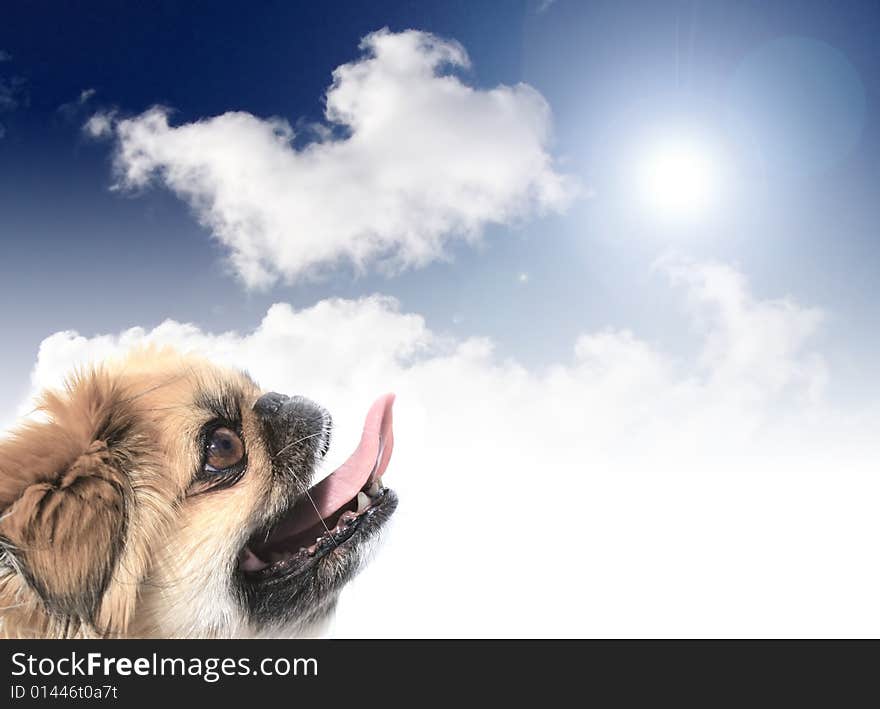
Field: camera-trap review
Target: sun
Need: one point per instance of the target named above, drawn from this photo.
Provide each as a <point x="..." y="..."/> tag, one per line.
<point x="678" y="179"/>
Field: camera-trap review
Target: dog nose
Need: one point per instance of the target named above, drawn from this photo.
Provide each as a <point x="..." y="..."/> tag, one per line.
<point x="274" y="405"/>
<point x="287" y="418"/>
<point x="270" y="404"/>
<point x="298" y="407"/>
<point x="306" y="418"/>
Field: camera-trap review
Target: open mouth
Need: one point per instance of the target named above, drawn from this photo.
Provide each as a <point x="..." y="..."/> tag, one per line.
<point x="341" y="506"/>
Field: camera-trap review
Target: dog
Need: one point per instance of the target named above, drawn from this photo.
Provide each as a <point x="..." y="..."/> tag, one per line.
<point x="161" y="495"/>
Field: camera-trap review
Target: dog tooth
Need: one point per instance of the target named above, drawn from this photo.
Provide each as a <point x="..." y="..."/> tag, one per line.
<point x="250" y="561"/>
<point x="363" y="502"/>
<point x="374" y="489"/>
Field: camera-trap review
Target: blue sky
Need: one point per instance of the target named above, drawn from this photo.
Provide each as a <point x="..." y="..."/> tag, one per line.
<point x="611" y="72"/>
<point x="632" y="246"/>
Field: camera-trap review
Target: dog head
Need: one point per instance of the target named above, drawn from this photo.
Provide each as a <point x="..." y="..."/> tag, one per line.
<point x="164" y="496"/>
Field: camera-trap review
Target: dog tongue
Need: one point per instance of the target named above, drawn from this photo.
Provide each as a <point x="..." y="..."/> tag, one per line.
<point x="365" y="465"/>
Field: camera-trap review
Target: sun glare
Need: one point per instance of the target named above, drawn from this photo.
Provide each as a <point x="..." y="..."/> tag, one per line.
<point x="678" y="180"/>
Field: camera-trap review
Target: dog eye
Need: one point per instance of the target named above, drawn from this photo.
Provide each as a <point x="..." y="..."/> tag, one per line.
<point x="223" y="451"/>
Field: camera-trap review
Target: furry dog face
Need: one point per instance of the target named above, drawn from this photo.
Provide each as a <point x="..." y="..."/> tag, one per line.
<point x="164" y="496"/>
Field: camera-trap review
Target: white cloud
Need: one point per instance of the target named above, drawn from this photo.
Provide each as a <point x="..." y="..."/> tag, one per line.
<point x="13" y="93"/>
<point x="99" y="125"/>
<point x="626" y="492"/>
<point x="72" y="108"/>
<point x="10" y="90"/>
<point x="411" y="157"/>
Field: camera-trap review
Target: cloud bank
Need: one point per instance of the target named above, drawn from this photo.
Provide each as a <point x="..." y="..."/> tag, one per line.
<point x="624" y="492"/>
<point x="410" y="157"/>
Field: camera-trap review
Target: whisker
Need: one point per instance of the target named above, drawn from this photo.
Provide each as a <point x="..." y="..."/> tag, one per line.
<point x="151" y="389"/>
<point x="323" y="523"/>
<point x="299" y="440"/>
<point x="170" y="407"/>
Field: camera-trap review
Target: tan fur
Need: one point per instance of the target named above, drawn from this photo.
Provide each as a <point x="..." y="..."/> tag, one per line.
<point x="101" y="531"/>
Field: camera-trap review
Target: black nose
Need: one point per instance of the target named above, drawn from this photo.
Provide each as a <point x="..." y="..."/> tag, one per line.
<point x="270" y="404"/>
<point x="289" y="419"/>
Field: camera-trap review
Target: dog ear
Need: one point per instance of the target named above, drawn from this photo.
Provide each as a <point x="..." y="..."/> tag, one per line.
<point x="64" y="498"/>
<point x="65" y="531"/>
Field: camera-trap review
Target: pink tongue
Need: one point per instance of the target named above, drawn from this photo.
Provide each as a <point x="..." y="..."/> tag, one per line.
<point x="364" y="466"/>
